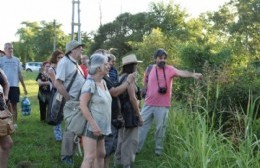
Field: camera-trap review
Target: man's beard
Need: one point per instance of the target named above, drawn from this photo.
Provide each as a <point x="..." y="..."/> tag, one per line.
<point x="161" y="64"/>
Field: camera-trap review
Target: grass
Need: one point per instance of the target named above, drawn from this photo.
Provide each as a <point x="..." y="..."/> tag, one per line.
<point x="34" y="143"/>
<point x="189" y="143"/>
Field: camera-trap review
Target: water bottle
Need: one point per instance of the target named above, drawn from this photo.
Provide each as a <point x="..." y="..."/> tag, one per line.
<point x="26" y="106"/>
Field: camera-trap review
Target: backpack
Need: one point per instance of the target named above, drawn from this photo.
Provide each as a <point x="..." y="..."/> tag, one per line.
<point x="55" y="108"/>
<point x="56" y="104"/>
<point x="148" y="70"/>
<point x="116" y="116"/>
<point x="129" y="116"/>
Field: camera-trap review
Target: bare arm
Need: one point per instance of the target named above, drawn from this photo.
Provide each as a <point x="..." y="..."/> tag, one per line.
<point x="116" y="91"/>
<point x="84" y="100"/>
<point x="51" y="76"/>
<point x="22" y="82"/>
<point x="61" y="89"/>
<point x="6" y="86"/>
<point x="187" y="74"/>
<point x="41" y="83"/>
<point x="133" y="99"/>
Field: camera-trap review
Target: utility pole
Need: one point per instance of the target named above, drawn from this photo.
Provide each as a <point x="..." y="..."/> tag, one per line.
<point x="73" y="23"/>
<point x="54" y="38"/>
<point x="100" y="12"/>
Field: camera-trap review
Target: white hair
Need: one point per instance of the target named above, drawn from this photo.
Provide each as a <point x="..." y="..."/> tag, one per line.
<point x="96" y="60"/>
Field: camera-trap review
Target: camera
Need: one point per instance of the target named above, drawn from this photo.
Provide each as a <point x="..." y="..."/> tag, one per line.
<point x="162" y="90"/>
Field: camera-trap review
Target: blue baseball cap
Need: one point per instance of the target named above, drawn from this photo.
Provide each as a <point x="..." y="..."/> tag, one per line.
<point x="160" y="52"/>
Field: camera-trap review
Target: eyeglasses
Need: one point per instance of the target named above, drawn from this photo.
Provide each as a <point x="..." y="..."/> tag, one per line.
<point x="9" y="48"/>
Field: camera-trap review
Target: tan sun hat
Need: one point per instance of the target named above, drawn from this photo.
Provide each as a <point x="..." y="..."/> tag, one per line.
<point x="72" y="45"/>
<point x="129" y="59"/>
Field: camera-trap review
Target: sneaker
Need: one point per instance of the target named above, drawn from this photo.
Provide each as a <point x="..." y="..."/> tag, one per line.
<point x="67" y="161"/>
<point x="58" y="140"/>
<point x="158" y="154"/>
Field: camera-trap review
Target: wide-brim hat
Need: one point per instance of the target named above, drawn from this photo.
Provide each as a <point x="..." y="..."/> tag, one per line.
<point x="129" y="59"/>
<point x="72" y="45"/>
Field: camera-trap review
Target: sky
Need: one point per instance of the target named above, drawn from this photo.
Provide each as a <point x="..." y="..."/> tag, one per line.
<point x="13" y="12"/>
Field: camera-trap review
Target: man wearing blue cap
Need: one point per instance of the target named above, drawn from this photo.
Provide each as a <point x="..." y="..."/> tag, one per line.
<point x="158" y="84"/>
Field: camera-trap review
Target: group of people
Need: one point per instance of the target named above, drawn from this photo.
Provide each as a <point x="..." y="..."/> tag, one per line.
<point x="109" y="101"/>
<point x="9" y="79"/>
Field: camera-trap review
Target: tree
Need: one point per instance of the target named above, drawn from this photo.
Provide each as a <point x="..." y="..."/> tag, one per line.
<point x="36" y="40"/>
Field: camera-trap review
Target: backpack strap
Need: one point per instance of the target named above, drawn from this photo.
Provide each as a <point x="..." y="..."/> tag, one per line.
<point x="54" y="69"/>
<point x="147" y="72"/>
<point x="123" y="79"/>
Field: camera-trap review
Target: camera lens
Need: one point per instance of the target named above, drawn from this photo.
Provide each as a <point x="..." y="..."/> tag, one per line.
<point x="162" y="90"/>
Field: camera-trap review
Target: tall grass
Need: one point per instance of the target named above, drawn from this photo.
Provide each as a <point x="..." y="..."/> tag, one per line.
<point x="192" y="142"/>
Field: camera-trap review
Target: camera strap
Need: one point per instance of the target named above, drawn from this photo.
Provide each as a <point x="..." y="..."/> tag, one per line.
<point x="163" y="75"/>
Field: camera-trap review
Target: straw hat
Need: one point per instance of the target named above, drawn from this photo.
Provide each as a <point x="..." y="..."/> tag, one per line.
<point x="129" y="59"/>
<point x="72" y="45"/>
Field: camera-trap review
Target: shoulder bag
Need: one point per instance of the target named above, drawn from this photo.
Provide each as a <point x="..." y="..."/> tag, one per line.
<point x="56" y="104"/>
<point x="6" y="123"/>
<point x="73" y="117"/>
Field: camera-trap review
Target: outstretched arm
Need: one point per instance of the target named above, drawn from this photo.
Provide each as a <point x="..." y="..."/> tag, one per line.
<point x="187" y="74"/>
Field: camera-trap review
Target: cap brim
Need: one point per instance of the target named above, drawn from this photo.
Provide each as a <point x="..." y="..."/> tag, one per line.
<point x="83" y="45"/>
<point x="131" y="63"/>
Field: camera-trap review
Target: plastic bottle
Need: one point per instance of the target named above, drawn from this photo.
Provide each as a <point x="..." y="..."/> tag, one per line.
<point x="26" y="106"/>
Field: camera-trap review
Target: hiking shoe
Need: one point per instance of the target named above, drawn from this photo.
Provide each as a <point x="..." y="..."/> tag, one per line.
<point x="67" y="161"/>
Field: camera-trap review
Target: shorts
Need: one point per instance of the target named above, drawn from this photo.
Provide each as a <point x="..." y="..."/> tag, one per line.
<point x="90" y="134"/>
<point x="14" y="94"/>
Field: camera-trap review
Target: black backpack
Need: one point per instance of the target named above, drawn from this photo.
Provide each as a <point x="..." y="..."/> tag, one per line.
<point x="130" y="119"/>
<point x="116" y="116"/>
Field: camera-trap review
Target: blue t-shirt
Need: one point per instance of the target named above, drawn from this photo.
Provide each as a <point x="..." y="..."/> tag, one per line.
<point x="12" y="67"/>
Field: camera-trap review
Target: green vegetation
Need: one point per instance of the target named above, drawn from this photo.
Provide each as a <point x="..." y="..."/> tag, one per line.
<point x="213" y="122"/>
<point x="191" y="139"/>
